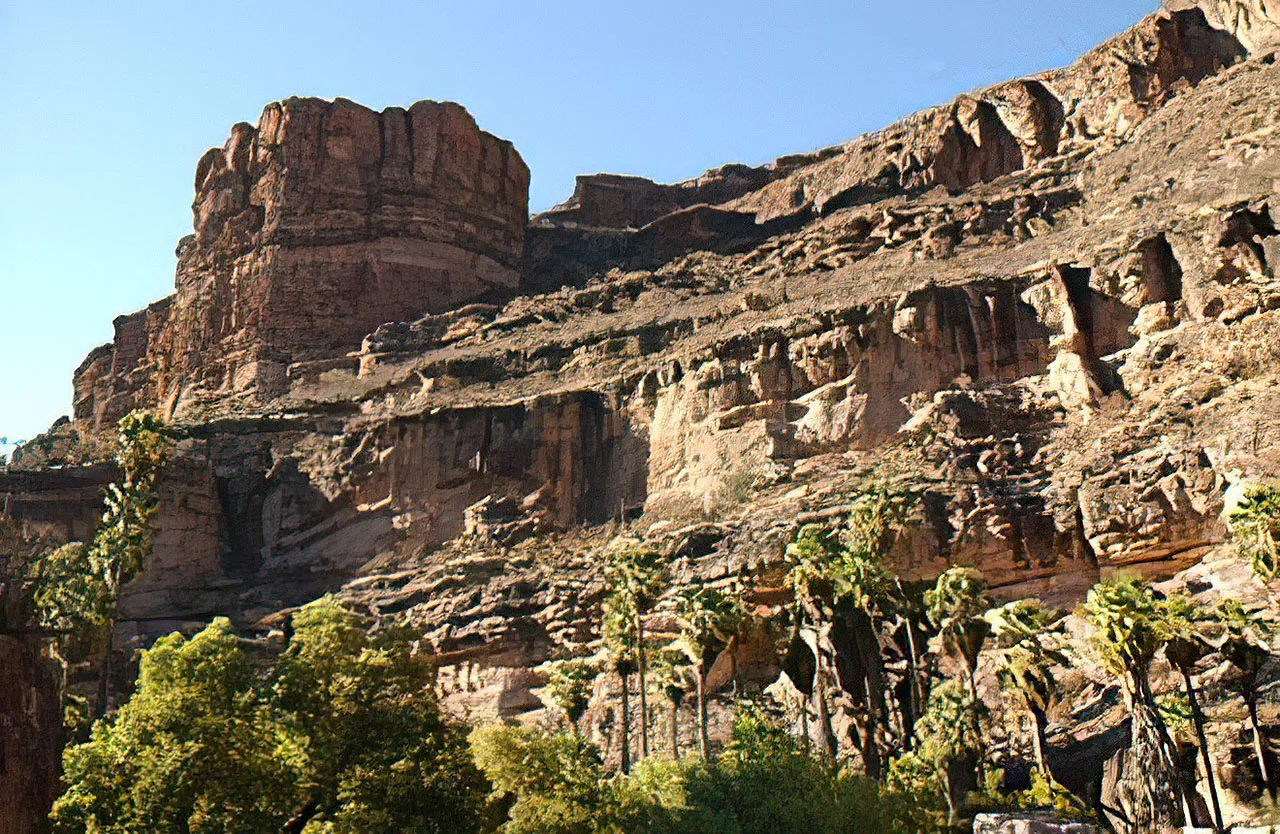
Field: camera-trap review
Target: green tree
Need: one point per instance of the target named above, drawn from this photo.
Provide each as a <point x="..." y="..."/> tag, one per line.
<point x="636" y="576"/>
<point x="957" y="606"/>
<point x="1125" y="617"/>
<point x="811" y="554"/>
<point x="77" y="587"/>
<point x="619" y="635"/>
<point x="569" y="684"/>
<point x="671" y="677"/>
<point x="942" y="764"/>
<point x="708" y="620"/>
<point x="194" y="750"/>
<point x="381" y="757"/>
<point x="339" y="734"/>
<point x="845" y="590"/>
<point x="543" y="783"/>
<point x="1029" y="642"/>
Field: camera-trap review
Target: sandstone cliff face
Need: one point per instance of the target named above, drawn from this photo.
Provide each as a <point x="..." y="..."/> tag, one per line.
<point x="310" y="230"/>
<point x="1047" y="309"/>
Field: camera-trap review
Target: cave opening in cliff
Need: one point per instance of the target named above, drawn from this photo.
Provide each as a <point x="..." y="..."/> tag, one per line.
<point x="1161" y="272"/>
<point x="1242" y="240"/>
<point x="240" y="537"/>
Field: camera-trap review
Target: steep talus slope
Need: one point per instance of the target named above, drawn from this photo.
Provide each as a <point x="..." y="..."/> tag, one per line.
<point x="1048" y="309"/>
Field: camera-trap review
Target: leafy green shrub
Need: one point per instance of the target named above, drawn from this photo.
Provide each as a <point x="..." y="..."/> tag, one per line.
<point x="552" y="782"/>
<point x="763" y="783"/>
<point x="569" y="685"/>
<point x="1045" y="794"/>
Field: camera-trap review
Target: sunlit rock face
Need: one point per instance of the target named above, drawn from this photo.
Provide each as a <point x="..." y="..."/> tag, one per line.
<point x="1047" y="310"/>
<point x="310" y="230"/>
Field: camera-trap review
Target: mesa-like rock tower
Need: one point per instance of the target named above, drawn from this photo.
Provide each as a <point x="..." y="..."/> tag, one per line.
<point x="310" y="230"/>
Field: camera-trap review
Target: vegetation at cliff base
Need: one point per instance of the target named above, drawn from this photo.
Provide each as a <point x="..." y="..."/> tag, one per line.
<point x="333" y="724"/>
<point x="763" y="782"/>
<point x="338" y="734"/>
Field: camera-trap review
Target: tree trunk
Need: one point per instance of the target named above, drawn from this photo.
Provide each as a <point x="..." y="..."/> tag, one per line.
<point x="104" y="679"/>
<point x="699" y="675"/>
<point x="1198" y="717"/>
<point x="971" y="677"/>
<point x="733" y="663"/>
<point x="675" y="730"/>
<point x="644" y="698"/>
<point x="1260" y="745"/>
<point x="104" y="683"/>
<point x="1154" y="787"/>
<point x="826" y="735"/>
<point x="917" y="697"/>
<point x="626" y="724"/>
<point x="1041" y="722"/>
<point x="868" y="646"/>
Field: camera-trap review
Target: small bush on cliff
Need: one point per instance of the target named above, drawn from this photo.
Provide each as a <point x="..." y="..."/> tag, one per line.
<point x="1255" y="524"/>
<point x="338" y="735"/>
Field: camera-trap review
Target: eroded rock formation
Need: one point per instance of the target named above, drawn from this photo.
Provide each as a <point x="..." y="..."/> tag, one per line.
<point x="310" y="230"/>
<point x="1047" y="309"/>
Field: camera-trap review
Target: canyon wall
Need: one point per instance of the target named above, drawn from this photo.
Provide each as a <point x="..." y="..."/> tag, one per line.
<point x="363" y="274"/>
<point x="1046" y="311"/>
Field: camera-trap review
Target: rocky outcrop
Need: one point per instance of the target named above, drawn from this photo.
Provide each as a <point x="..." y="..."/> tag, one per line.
<point x="311" y="229"/>
<point x="980" y="137"/>
<point x="614" y="201"/>
<point x="1255" y="23"/>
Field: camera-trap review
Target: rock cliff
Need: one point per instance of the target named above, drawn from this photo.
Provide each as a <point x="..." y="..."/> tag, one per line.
<point x="1048" y="308"/>
<point x="310" y="230"/>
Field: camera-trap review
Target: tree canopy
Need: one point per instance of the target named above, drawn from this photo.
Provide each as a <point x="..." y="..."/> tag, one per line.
<point x="337" y="734"/>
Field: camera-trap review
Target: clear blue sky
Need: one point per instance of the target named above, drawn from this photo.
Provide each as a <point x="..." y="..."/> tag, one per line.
<point x="105" y="108"/>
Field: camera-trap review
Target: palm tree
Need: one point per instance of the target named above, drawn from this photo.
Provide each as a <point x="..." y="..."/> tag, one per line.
<point x="863" y="590"/>
<point x="1124" y="613"/>
<point x="1029" y="640"/>
<point x="811" y="553"/>
<point x="569" y="685"/>
<point x="620" y="642"/>
<point x="1182" y="626"/>
<point x="957" y="605"/>
<point x="671" y="677"/>
<point x="636" y="575"/>
<point x="845" y="589"/>
<point x="1255" y="525"/>
<point x="949" y="741"/>
<point x="708" y="619"/>
<point x="910" y="629"/>
<point x="1245" y="641"/>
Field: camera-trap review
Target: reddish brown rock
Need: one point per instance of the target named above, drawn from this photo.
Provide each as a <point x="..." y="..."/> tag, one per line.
<point x="323" y="222"/>
<point x="616" y="201"/>
<point x="1046" y="310"/>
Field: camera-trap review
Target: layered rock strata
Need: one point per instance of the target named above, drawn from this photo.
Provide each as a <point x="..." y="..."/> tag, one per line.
<point x="311" y="229"/>
<point x="1047" y="311"/>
